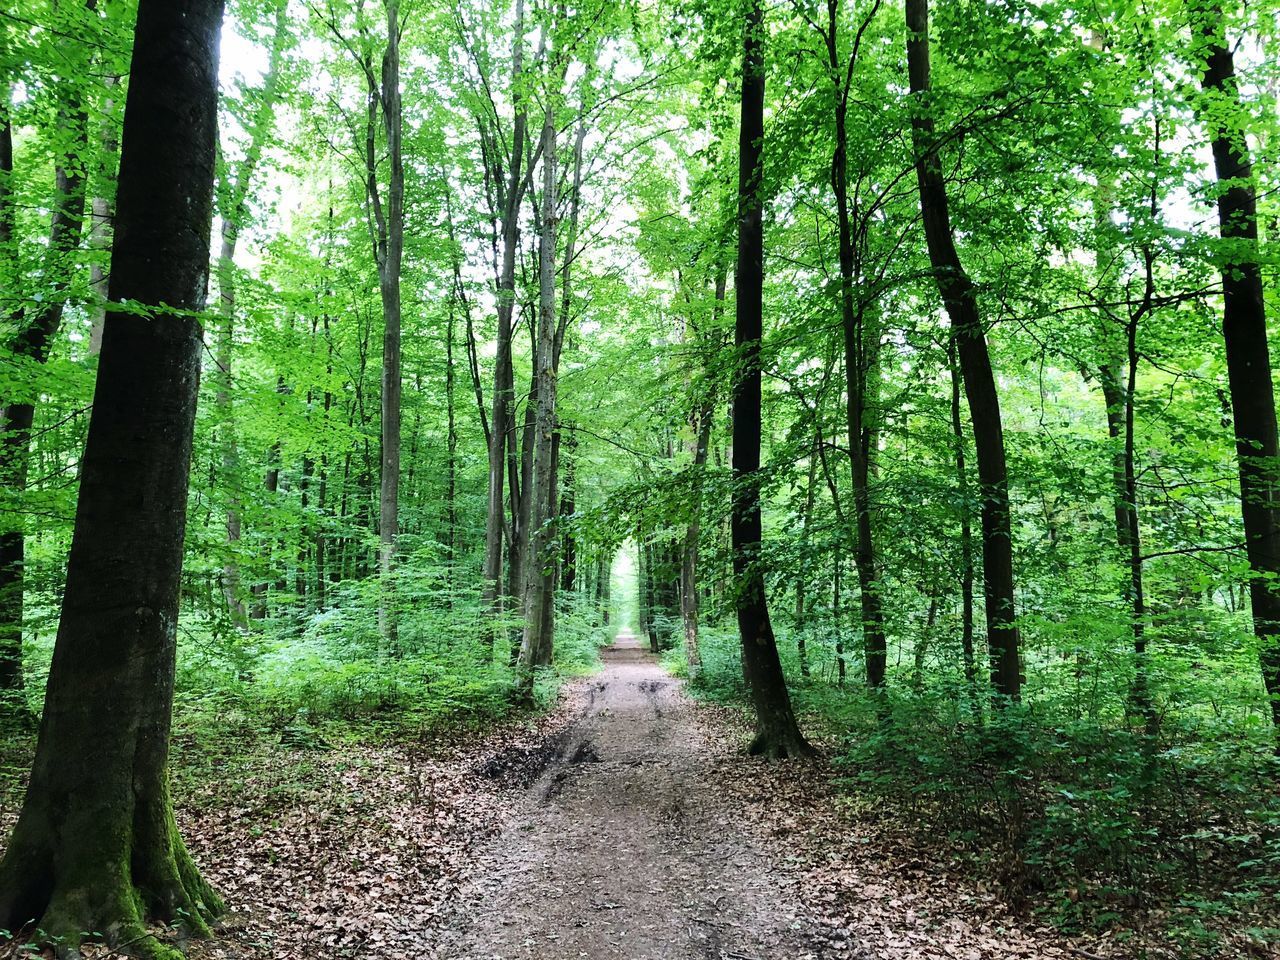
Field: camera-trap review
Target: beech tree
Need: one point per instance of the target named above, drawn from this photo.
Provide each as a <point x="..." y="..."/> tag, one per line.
<point x="1244" y="332"/>
<point x="36" y="327"/>
<point x="96" y="847"/>
<point x="961" y="301"/>
<point x="777" y="733"/>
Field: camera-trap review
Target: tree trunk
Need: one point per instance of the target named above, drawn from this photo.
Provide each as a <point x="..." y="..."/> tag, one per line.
<point x="235" y="196"/>
<point x="96" y="847"/>
<point x="100" y="219"/>
<point x="390" y="253"/>
<point x="32" y="341"/>
<point x="857" y="360"/>
<point x="693" y="533"/>
<point x="540" y="580"/>
<point x="966" y="529"/>
<point x="777" y="734"/>
<point x="1244" y="330"/>
<point x="568" y="507"/>
<point x="961" y="302"/>
<point x="802" y="566"/>
<point x="503" y="419"/>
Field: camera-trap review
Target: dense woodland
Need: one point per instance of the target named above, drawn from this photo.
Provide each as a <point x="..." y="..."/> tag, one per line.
<point x="900" y="374"/>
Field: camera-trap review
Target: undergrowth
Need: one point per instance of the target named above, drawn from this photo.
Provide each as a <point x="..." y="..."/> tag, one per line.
<point x="1074" y="811"/>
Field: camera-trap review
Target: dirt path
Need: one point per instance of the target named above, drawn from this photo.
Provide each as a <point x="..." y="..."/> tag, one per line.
<point x="623" y="849"/>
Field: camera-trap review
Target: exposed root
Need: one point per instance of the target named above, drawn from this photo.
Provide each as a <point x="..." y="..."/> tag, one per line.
<point x="773" y="746"/>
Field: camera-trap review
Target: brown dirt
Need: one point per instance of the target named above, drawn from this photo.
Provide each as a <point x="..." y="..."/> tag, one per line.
<point x="625" y="847"/>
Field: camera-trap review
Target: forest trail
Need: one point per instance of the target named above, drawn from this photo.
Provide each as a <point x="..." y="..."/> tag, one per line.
<point x="624" y="848"/>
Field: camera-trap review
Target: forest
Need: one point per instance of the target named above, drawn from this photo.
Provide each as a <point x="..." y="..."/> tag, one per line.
<point x="729" y="479"/>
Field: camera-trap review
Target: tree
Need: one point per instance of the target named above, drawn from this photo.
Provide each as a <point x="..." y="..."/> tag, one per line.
<point x="961" y="301"/>
<point x="96" y="847"/>
<point x="777" y="733"/>
<point x="233" y="197"/>
<point x="1244" y="332"/>
<point x="36" y="327"/>
<point x="859" y="351"/>
<point x="510" y="200"/>
<point x="540" y="570"/>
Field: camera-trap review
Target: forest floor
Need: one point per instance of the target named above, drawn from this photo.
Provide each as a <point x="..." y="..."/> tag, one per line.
<point x="627" y="823"/>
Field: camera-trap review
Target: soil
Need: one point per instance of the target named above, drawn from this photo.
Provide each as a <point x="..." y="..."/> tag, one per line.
<point x="624" y="846"/>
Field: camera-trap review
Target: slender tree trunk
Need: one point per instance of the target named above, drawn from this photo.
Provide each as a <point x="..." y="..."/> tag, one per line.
<point x="503" y="419"/>
<point x="36" y="328"/>
<point x="777" y="734"/>
<point x="390" y="254"/>
<point x="12" y="543"/>
<point x="604" y="577"/>
<point x="1244" y="330"/>
<point x="234" y="196"/>
<point x="1141" y="692"/>
<point x="966" y="528"/>
<point x="693" y="532"/>
<point x="841" y="669"/>
<point x="802" y="567"/>
<point x="96" y="847"/>
<point x="568" y="507"/>
<point x="858" y="360"/>
<point x="451" y="483"/>
<point x="540" y="581"/>
<point x="961" y="301"/>
<point x="100" y="218"/>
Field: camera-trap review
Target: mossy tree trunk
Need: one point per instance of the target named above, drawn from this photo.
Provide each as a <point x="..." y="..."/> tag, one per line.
<point x="96" y="847"/>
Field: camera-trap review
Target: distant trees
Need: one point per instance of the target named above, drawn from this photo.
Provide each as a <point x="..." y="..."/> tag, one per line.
<point x="96" y="847"/>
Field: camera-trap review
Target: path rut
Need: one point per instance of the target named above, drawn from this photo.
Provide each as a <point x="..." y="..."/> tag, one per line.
<point x="623" y="847"/>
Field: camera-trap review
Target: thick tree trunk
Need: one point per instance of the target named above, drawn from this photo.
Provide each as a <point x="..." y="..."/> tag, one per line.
<point x="1244" y="330"/>
<point x="96" y="847"/>
<point x="975" y="364"/>
<point x="33" y="339"/>
<point x="777" y="734"/>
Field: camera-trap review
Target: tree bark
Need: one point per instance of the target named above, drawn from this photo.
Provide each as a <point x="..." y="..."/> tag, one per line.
<point x="100" y="218"/>
<point x="1244" y="331"/>
<point x="858" y="360"/>
<point x="503" y="419"/>
<point x="777" y="734"/>
<point x="961" y="302"/>
<point x="234" y="196"/>
<point x="540" y="580"/>
<point x="389" y="253"/>
<point x="32" y="341"/>
<point x="966" y="528"/>
<point x="96" y="847"/>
